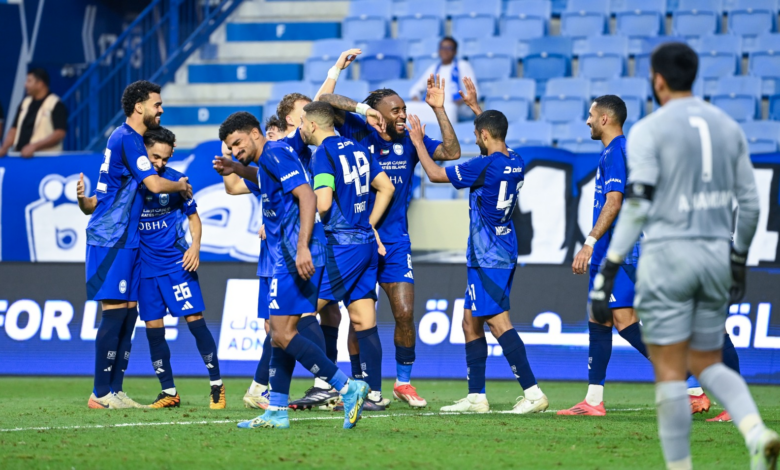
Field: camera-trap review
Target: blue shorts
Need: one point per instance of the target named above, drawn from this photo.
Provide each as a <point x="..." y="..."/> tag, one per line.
<point x="289" y="294"/>
<point x="262" y="298"/>
<point x="113" y="273"/>
<point x="488" y="291"/>
<point x="350" y="273"/>
<point x="178" y="292"/>
<point x="623" y="292"/>
<point x="396" y="265"/>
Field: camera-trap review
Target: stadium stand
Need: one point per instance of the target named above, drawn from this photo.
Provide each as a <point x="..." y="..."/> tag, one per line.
<point x="419" y="20"/>
<point x="367" y="20"/>
<point x="526" y="20"/>
<point x="494" y="59"/>
<point x="584" y="18"/>
<point x="514" y="97"/>
<point x="719" y="56"/>
<point x="764" y="62"/>
<point x="529" y="134"/>
<point x="697" y="17"/>
<point x="762" y="136"/>
<point x="575" y="136"/>
<point x="603" y="57"/>
<point x="739" y="97"/>
<point x="476" y="18"/>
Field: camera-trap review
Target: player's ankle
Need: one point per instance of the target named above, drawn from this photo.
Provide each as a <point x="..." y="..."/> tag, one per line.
<point x="257" y="388"/>
<point x="533" y="393"/>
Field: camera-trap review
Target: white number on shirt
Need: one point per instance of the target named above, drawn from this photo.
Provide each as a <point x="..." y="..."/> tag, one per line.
<point x="272" y="288"/>
<point x="706" y="146"/>
<point x="182" y="292"/>
<point x="353" y="173"/>
<point x="101" y="187"/>
<point x="506" y="202"/>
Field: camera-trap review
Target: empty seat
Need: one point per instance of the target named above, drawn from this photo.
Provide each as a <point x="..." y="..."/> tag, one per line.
<point x="423" y="54"/>
<point x="548" y="57"/>
<point x="739" y="97"/>
<point x="279" y="89"/>
<point x="584" y="18"/>
<point x="762" y="136"/>
<point x="764" y="62"/>
<point x="269" y="109"/>
<point x="367" y="20"/>
<point x="774" y="107"/>
<point x="514" y="97"/>
<point x="575" y="137"/>
<point x="495" y="58"/>
<point x="638" y="19"/>
<point x="697" y="17"/>
<point x="465" y="133"/>
<point x="525" y="19"/>
<point x="476" y="18"/>
<point x="750" y="18"/>
<point x="399" y="85"/>
<point x="529" y="134"/>
<point x="565" y="99"/>
<point x="417" y="20"/>
<point x="604" y="57"/>
<point x="355" y="89"/>
<point x="324" y="53"/>
<point x="633" y="91"/>
<point x="719" y="56"/>
<point x="384" y="59"/>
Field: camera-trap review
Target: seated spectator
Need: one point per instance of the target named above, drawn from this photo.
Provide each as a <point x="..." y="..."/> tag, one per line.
<point x="41" y="120"/>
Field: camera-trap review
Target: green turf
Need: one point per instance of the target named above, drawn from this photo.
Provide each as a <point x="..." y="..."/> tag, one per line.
<point x="406" y="439"/>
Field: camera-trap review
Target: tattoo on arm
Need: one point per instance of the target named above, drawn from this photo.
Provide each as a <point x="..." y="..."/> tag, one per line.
<point x="450" y="147"/>
<point x="341" y="104"/>
<point x="608" y="215"/>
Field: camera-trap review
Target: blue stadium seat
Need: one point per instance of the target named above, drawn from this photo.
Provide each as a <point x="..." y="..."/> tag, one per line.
<point x="774" y="107"/>
<point x="421" y="19"/>
<point x="269" y="109"/>
<point x="719" y="56"/>
<point x="762" y="136"/>
<point x="323" y="55"/>
<point x="399" y="85"/>
<point x="355" y="89"/>
<point x="584" y="18"/>
<point x="514" y="97"/>
<point x="384" y="59"/>
<point x="495" y="58"/>
<point x="764" y="62"/>
<point x="548" y="57"/>
<point x="642" y="56"/>
<point x="465" y="133"/>
<point x="525" y="19"/>
<point x="697" y="17"/>
<point x="367" y="20"/>
<point x="476" y="19"/>
<point x="639" y="19"/>
<point x="423" y="54"/>
<point x="559" y="6"/>
<point x="749" y="18"/>
<point x="634" y="91"/>
<point x="739" y="97"/>
<point x="529" y="134"/>
<point x="279" y="89"/>
<point x="433" y="131"/>
<point x="604" y="57"/>
<point x="565" y="99"/>
<point x="575" y="137"/>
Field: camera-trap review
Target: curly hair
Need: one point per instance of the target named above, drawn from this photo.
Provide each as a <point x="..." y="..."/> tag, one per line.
<point x="160" y="135"/>
<point x="137" y="92"/>
<point x="238" y="121"/>
<point x="287" y="105"/>
<point x="376" y="96"/>
<point x="274" y="121"/>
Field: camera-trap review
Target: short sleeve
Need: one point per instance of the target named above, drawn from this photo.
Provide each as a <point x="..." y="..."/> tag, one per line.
<point x="136" y="160"/>
<point x="321" y="164"/>
<point x="353" y="125"/>
<point x="253" y="187"/>
<point x="642" y="155"/>
<point x="375" y="167"/>
<point x="615" y="171"/>
<point x="59" y="116"/>
<point x="289" y="170"/>
<point x="467" y="174"/>
<point x="431" y="145"/>
<point x="189" y="207"/>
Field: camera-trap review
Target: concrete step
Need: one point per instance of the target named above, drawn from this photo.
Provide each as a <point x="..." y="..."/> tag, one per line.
<point x="244" y="72"/>
<point x="206" y="93"/>
<point x="188" y="137"/>
<point x="267" y="11"/>
<point x="283" y="31"/>
<point x="262" y="51"/>
<point x="205" y="114"/>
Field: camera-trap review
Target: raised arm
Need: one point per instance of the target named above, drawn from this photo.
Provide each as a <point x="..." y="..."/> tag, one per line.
<point x="416" y="130"/>
<point x="343" y="105"/>
<point x="307" y="205"/>
<point x="329" y="85"/>
<point x="86" y="204"/>
<point x="450" y="147"/>
<point x="470" y="96"/>
<point x="191" y="259"/>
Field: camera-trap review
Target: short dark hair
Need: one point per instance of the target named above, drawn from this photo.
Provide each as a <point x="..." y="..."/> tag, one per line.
<point x="321" y="112"/>
<point x="614" y="105"/>
<point x="137" y="92"/>
<point x="160" y="135"/>
<point x="677" y="63"/>
<point x="287" y="105"/>
<point x="450" y="39"/>
<point x="376" y="96"/>
<point x="494" y="122"/>
<point x="40" y="74"/>
<point x="274" y="121"/>
<point x="238" y="121"/>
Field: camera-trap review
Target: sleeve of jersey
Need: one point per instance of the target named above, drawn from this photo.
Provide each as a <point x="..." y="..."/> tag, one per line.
<point x="353" y="125"/>
<point x="323" y="170"/>
<point x="289" y="171"/>
<point x="615" y="172"/>
<point x="294" y="140"/>
<point x="375" y="167"/>
<point x="253" y="188"/>
<point x="466" y="174"/>
<point x="642" y="155"/>
<point x="431" y="145"/>
<point x="189" y="207"/>
<point x="138" y="163"/>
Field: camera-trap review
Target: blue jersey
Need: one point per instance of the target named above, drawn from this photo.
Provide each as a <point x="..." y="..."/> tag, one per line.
<point x="163" y="240"/>
<point x="266" y="261"/>
<point x="353" y="169"/>
<point x="280" y="173"/>
<point x="114" y="223"/>
<point x="397" y="159"/>
<point x="495" y="181"/>
<point x="294" y="140"/>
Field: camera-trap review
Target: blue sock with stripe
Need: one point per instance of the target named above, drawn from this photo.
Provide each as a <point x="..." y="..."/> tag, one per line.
<point x="633" y="334"/>
<point x="357" y="370"/>
<point x="514" y="352"/>
<point x="106" y="345"/>
<point x="161" y="356"/>
<point x="371" y="357"/>
<point x="476" y="363"/>
<point x="599" y="352"/>
<point x="206" y="347"/>
<point x="261" y="373"/>
<point x="123" y="350"/>
<point x="315" y="361"/>
<point x="404" y="359"/>
<point x="310" y="329"/>
<point x="281" y="371"/>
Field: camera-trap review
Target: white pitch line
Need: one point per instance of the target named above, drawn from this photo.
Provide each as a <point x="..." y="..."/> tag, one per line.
<point x="227" y="421"/>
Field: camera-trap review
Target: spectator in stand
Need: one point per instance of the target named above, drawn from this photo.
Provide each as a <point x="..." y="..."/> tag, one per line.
<point x="41" y="120"/>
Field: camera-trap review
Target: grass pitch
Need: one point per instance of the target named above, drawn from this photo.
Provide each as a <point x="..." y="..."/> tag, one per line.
<point x="194" y="436"/>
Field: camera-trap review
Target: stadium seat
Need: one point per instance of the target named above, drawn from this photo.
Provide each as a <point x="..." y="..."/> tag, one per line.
<point x="323" y="55"/>
<point x="774" y="107"/>
<point x="355" y="89"/>
<point x="719" y="56"/>
<point x="438" y="191"/>
<point x="584" y="18"/>
<point x="529" y="134"/>
<point x="384" y="59"/>
<point x="764" y="62"/>
<point x="367" y="20"/>
<point x="269" y="109"/>
<point x="465" y="132"/>
<point x="762" y="136"/>
<point x="433" y="131"/>
<point x="639" y="19"/>
<point x="559" y="6"/>
<point x="279" y="89"/>
<point x="421" y="19"/>
<point x="495" y="58"/>
<point x="565" y="99"/>
<point x="642" y="56"/>
<point x="604" y="57"/>
<point x="634" y="91"/>
<point x="575" y="137"/>
<point x="423" y="54"/>
<point x="476" y="18"/>
<point x="514" y="97"/>
<point x="548" y="57"/>
<point x="750" y="18"/>
<point x="525" y="19"/>
<point x="739" y="97"/>
<point x="697" y="17"/>
<point x="399" y="85"/>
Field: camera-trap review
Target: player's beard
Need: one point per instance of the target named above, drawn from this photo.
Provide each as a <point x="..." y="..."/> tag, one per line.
<point x="595" y="133"/>
<point x="150" y="121"/>
<point x="655" y="93"/>
<point x="392" y="131"/>
<point x="482" y="147"/>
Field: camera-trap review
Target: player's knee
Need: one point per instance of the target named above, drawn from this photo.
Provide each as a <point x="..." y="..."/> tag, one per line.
<point x="155" y="324"/>
<point x="280" y="339"/>
<point x="113" y="304"/>
<point x="404" y="314"/>
<point x="195" y="317"/>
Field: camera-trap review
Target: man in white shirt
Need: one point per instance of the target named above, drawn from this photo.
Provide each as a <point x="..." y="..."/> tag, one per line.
<point x="452" y="70"/>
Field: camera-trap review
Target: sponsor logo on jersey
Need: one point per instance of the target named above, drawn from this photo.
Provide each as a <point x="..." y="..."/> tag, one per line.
<point x="290" y="175"/>
<point x="613" y="180"/>
<point x="409" y="275"/>
<point x="457" y="172"/>
<point x="187" y="306"/>
<point x="612" y="298"/>
<point x="273" y="305"/>
<point x="398" y="149"/>
<point x="164" y="199"/>
<point x="705" y="200"/>
<point x="503" y="230"/>
<point x="122" y="286"/>
<point x="143" y="163"/>
<point x="111" y="355"/>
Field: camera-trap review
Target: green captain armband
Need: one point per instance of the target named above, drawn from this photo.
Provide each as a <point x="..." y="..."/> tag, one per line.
<point x="324" y="180"/>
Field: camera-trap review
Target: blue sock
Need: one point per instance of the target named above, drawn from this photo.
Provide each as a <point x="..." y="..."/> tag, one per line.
<point x="106" y="344"/>
<point x="357" y="370"/>
<point x="633" y="334"/>
<point x="599" y="352"/>
<point x="161" y="356"/>
<point x="514" y="352"/>
<point x="280" y="400"/>
<point x="476" y="362"/>
<point x="404" y="359"/>
<point x="206" y="346"/>
<point x="261" y="373"/>
<point x="310" y="329"/>
<point x="730" y="356"/>
<point x="331" y="334"/>
<point x="315" y="361"/>
<point x="371" y="357"/>
<point x="281" y="371"/>
<point x="123" y="351"/>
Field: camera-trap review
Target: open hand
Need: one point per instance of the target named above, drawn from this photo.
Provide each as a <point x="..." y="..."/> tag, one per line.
<point x="223" y="165"/>
<point x="375" y="119"/>
<point x="435" y="93"/>
<point x="347" y="57"/>
<point x="470" y="94"/>
<point x="191" y="259"/>
<point x="416" y="129"/>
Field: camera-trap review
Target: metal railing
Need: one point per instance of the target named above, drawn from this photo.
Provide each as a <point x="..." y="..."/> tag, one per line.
<point x="152" y="48"/>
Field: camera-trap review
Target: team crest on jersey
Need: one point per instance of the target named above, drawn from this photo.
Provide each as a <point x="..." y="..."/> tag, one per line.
<point x="122" y="286"/>
<point x="398" y="149"/>
<point x="164" y="199"/>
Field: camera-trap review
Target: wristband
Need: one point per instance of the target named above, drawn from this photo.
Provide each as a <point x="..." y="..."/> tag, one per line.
<point x="590" y="241"/>
<point x="334" y="73"/>
<point x="362" y="108"/>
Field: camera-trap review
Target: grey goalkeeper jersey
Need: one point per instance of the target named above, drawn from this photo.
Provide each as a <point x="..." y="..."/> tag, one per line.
<point x="697" y="159"/>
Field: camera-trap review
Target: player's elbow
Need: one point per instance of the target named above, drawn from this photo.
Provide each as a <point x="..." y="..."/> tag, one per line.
<point x="326" y="97"/>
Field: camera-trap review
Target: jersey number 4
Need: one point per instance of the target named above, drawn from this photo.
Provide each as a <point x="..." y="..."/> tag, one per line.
<point x="352" y="174"/>
<point x="506" y="202"/>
